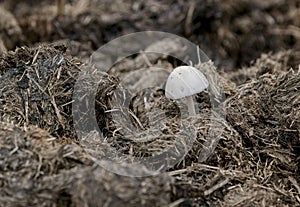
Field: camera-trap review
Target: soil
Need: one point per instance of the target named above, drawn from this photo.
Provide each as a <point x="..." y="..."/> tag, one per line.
<point x="45" y="161"/>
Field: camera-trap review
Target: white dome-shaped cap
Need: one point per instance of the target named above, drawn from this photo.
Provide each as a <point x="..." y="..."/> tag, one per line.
<point x="185" y="81"/>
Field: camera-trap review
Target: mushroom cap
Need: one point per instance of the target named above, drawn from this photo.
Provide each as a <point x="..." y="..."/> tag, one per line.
<point x="185" y="81"/>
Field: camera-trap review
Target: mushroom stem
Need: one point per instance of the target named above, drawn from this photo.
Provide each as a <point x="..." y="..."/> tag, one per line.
<point x="60" y="7"/>
<point x="191" y="107"/>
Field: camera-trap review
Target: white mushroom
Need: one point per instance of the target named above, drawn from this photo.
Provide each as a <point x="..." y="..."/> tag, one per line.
<point x="185" y="81"/>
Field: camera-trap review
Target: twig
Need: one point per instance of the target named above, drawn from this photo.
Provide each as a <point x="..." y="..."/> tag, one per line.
<point x="176" y="203"/>
<point x="35" y="56"/>
<point x="189" y="18"/>
<point x="177" y="172"/>
<point x="208" y="167"/>
<point x="295" y="183"/>
<point x="59" y="116"/>
<point x="60" y="7"/>
<point x="216" y="187"/>
<point x="27" y="107"/>
<point x="136" y="119"/>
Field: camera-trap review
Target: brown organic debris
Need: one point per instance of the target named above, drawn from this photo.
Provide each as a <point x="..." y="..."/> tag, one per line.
<point x="38" y="169"/>
<point x="243" y="153"/>
<point x="36" y="88"/>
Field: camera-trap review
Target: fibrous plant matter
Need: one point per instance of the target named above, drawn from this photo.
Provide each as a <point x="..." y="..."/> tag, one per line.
<point x="255" y="161"/>
<point x="36" y="88"/>
<point x="38" y="169"/>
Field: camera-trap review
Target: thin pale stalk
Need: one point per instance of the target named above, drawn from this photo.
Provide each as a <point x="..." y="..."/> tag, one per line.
<point x="190" y="104"/>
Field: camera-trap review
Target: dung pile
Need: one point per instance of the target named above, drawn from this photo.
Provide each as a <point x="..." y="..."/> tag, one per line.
<point x="36" y="88"/>
<point x="41" y="169"/>
<point x="254" y="161"/>
<point x="38" y="169"/>
<point x="265" y="112"/>
<point x="233" y="32"/>
<point x="249" y="156"/>
<point x="257" y="160"/>
<point x="274" y="63"/>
